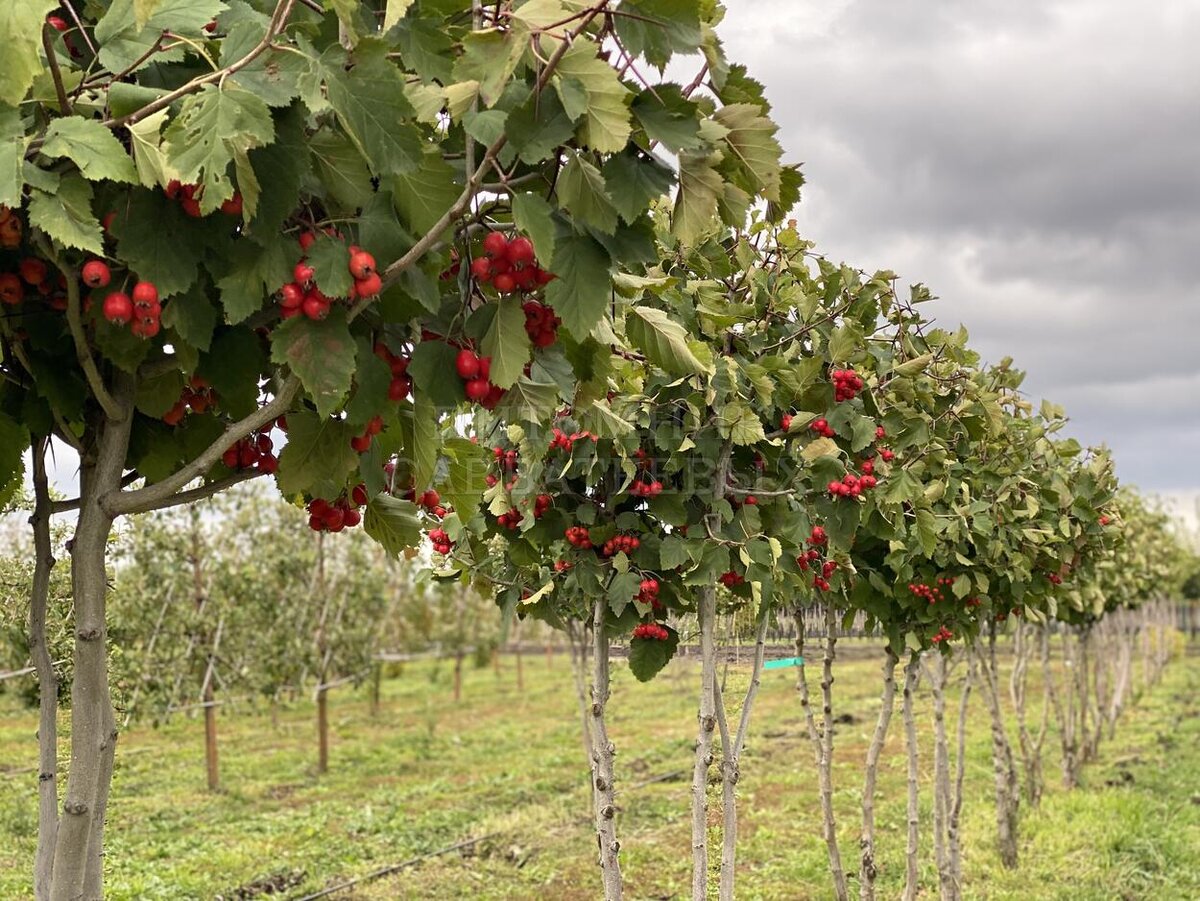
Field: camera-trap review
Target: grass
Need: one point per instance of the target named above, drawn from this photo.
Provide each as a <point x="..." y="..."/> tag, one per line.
<point x="428" y="773"/>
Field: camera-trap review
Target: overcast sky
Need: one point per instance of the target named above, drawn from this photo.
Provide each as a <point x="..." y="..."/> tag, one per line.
<point x="1037" y="164"/>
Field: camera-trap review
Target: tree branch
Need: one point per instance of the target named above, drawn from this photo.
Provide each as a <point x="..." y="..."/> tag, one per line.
<point x="168" y="492"/>
<point x="55" y="72"/>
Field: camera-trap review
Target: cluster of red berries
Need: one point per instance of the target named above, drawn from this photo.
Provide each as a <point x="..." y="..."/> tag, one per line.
<point x="541" y="323"/>
<point x="577" y="536"/>
<point x="32" y="272"/>
<point x="142" y="312"/>
<point x="362" y="443"/>
<point x="252" y="452"/>
<point x="507" y="459"/>
<point x="785" y="421"/>
<point x="401" y="384"/>
<point x="431" y="501"/>
<point x="805" y="560"/>
<point x="731" y="579"/>
<point x="620" y="543"/>
<point x="943" y="634"/>
<point x="1055" y="578"/>
<point x="562" y="441"/>
<point x="326" y="516"/>
<point x="851" y="485"/>
<point x="974" y="602"/>
<point x="646" y="489"/>
<point x="931" y="593"/>
<point x="301" y="295"/>
<point x="511" y="519"/>
<point x="541" y="504"/>
<point x="197" y="397"/>
<point x="509" y="265"/>
<point x="648" y="593"/>
<point x="817" y="537"/>
<point x="821" y="427"/>
<point x="475" y="372"/>
<point x="652" y="631"/>
<point x="821" y="580"/>
<point x="886" y="455"/>
<point x="441" y="541"/>
<point x="189" y="199"/>
<point x="846" y="384"/>
<point x="561" y="566"/>
<point x="1104" y="520"/>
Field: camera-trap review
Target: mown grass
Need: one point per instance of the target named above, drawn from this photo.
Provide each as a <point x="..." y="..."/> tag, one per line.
<point x="428" y="773"/>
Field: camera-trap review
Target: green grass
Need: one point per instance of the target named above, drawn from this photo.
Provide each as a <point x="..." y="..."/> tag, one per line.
<point x="428" y="773"/>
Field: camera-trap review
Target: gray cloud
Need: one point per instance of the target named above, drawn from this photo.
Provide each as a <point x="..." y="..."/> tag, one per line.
<point x="1035" y="163"/>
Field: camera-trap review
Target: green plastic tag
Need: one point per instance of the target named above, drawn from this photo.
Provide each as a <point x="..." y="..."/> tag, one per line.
<point x="786" y="661"/>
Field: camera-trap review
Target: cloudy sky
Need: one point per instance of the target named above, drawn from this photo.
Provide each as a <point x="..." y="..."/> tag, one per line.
<point x="1037" y="164"/>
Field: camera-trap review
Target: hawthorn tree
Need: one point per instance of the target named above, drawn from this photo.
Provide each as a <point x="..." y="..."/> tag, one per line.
<point x="159" y="162"/>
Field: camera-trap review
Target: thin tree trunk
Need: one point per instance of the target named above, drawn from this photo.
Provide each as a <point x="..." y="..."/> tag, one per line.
<point x="322" y="730"/>
<point x="579" y="667"/>
<point x="706" y="614"/>
<point x="1007" y="791"/>
<point x="376" y="687"/>
<point x="953" y="830"/>
<point x="939" y="673"/>
<point x="520" y="664"/>
<point x="603" y="752"/>
<point x="78" y="862"/>
<point x="39" y="598"/>
<point x="823" y="742"/>
<point x="731" y="763"/>
<point x="210" y="715"/>
<point x="1082" y="682"/>
<point x="867" y="869"/>
<point x="1018" y="685"/>
<point x="912" y="673"/>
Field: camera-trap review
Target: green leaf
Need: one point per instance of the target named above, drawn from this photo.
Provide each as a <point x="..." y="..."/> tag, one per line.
<point x="647" y="656"/>
<point x="213" y="126"/>
<point x="489" y="58"/>
<point x="251" y="273"/>
<point x="606" y="127"/>
<point x="583" y="288"/>
<point x="371" y="106"/>
<point x="425" y="196"/>
<point x="901" y="486"/>
<point x="158" y="241"/>
<point x="754" y="152"/>
<point x="668" y="117"/>
<point x="845" y="342"/>
<point x="21" y="23"/>
<point x="124" y="40"/>
<point x="66" y="216"/>
<point x="634" y="180"/>
<point x="533" y="216"/>
<point x="658" y="29"/>
<point x="92" y="147"/>
<point x="371" y="379"/>
<point x="913" y="366"/>
<point x="425" y="48"/>
<point x="14" y="439"/>
<point x="739" y="422"/>
<point x="149" y="158"/>
<point x="425" y="440"/>
<point x="700" y="187"/>
<point x="233" y="365"/>
<point x="507" y="343"/>
<point x="433" y="372"/>
<point x="12" y="153"/>
<point x="538" y="127"/>
<point x="582" y="192"/>
<point x="321" y="353"/>
<point x="274" y="76"/>
<point x="341" y="169"/>
<point x="317" y="458"/>
<point x="663" y="341"/>
<point x="396" y="10"/>
<point x="330" y="259"/>
<point x="156" y="395"/>
<point x="394" y="523"/>
<point x="599" y="419"/>
<point x="819" y="447"/>
<point x="530" y="401"/>
<point x="193" y="317"/>
<point x="465" y="475"/>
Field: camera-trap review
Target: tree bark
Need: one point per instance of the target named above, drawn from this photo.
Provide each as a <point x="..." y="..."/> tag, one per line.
<point x="953" y="831"/>
<point x="78" y="863"/>
<point x="39" y="599"/>
<point x="912" y="673"/>
<point x="1018" y="684"/>
<point x="706" y="614"/>
<point x="731" y="763"/>
<point x="822" y="742"/>
<point x="603" y="752"/>
<point x="210" y="715"/>
<point x="1007" y="788"/>
<point x="577" y="639"/>
<point x="939" y="674"/>
<point x="867" y="869"/>
<point x="322" y="729"/>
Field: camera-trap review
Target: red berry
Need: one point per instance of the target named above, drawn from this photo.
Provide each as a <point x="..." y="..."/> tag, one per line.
<point x="369" y="286"/>
<point x="361" y="443"/>
<point x="520" y="251"/>
<point x="291" y="296"/>
<point x="477" y="389"/>
<point x="495" y="244"/>
<point x="504" y="283"/>
<point x="145" y="328"/>
<point x="32" y="270"/>
<point x="191" y="206"/>
<point x="233" y="206"/>
<point x="303" y="273"/>
<point x="306" y="240"/>
<point x="118" y="308"/>
<point x="467" y="364"/>
<point x="362" y="264"/>
<point x="485" y="367"/>
<point x="96" y="274"/>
